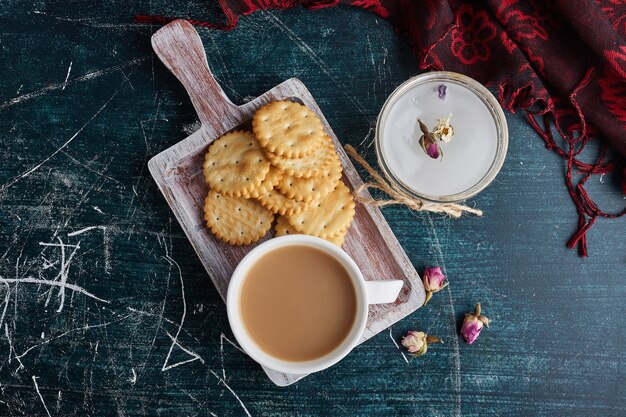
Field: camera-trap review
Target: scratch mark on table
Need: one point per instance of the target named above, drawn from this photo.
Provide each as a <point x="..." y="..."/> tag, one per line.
<point x="231" y="391"/>
<point x="67" y="76"/>
<point x="454" y="340"/>
<point x="222" y="338"/>
<point x="150" y="314"/>
<point x="7" y="297"/>
<point x="59" y="245"/>
<point x="89" y="168"/>
<point x="152" y="70"/>
<point x="367" y="140"/>
<point x="143" y="165"/>
<point x="202" y="404"/>
<point x="65" y="333"/>
<point x="160" y="316"/>
<point x="223" y="378"/>
<point x="54" y="235"/>
<point x="77" y="80"/>
<point x="188" y="394"/>
<point x="306" y="49"/>
<point x="59" y="397"/>
<point x="26" y="173"/>
<point x="91" y="22"/>
<point x="591" y="340"/>
<point x="17" y="273"/>
<point x="396" y="344"/>
<point x="369" y="48"/>
<point x="9" y="247"/>
<point x="12" y="348"/>
<point x="75" y="288"/>
<point x="40" y="396"/>
<point x="63" y="269"/>
<point x="194" y="356"/>
<point x="106" y="240"/>
<point x="229" y="82"/>
<point x="127" y="78"/>
<point x="71" y="157"/>
<point x="494" y="291"/>
<point x="83" y="199"/>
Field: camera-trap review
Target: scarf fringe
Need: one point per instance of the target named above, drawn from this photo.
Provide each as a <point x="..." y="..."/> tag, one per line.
<point x="587" y="209"/>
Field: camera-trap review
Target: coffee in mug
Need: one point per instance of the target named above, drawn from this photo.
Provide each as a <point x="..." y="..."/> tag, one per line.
<point x="298" y="303"/>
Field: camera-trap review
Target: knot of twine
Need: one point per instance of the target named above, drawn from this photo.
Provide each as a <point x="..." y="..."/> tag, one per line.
<point x="398" y="196"/>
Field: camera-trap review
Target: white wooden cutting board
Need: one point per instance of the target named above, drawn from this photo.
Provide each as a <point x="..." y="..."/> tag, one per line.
<point x="178" y="173"/>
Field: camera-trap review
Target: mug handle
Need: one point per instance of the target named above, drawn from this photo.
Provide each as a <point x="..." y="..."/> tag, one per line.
<point x="383" y="292"/>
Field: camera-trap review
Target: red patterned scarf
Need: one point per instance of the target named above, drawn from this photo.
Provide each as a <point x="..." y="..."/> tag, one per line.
<point x="563" y="62"/>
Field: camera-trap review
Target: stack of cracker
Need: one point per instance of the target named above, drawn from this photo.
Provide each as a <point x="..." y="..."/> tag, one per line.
<point x="288" y="167"/>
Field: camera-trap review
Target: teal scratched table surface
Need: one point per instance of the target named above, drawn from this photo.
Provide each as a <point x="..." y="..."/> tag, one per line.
<point x="106" y="310"/>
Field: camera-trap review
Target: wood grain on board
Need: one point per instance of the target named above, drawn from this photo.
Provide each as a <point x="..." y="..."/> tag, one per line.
<point x="178" y="173"/>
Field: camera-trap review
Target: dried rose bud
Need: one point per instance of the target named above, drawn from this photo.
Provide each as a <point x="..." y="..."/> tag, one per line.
<point x="428" y="142"/>
<point x="473" y="325"/>
<point x="417" y="342"/>
<point x="434" y="281"/>
<point x="444" y="130"/>
<point x="432" y="150"/>
<point x="442" y="91"/>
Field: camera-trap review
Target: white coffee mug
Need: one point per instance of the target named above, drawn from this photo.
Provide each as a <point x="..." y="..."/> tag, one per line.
<point x="367" y="292"/>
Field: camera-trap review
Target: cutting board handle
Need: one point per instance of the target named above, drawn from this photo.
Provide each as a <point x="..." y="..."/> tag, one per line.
<point x="180" y="48"/>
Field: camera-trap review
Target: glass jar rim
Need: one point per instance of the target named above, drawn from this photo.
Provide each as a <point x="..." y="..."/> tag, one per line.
<point x="491" y="104"/>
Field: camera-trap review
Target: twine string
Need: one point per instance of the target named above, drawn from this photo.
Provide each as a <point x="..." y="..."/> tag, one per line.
<point x="398" y="196"/>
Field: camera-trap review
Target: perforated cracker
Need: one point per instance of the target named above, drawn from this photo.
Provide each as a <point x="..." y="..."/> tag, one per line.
<point x="280" y="204"/>
<point x="235" y="164"/>
<point x="330" y="216"/>
<point x="308" y="189"/>
<point x="283" y="228"/>
<point x="308" y="166"/>
<point x="288" y="129"/>
<point x="269" y="182"/>
<point x="236" y="220"/>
